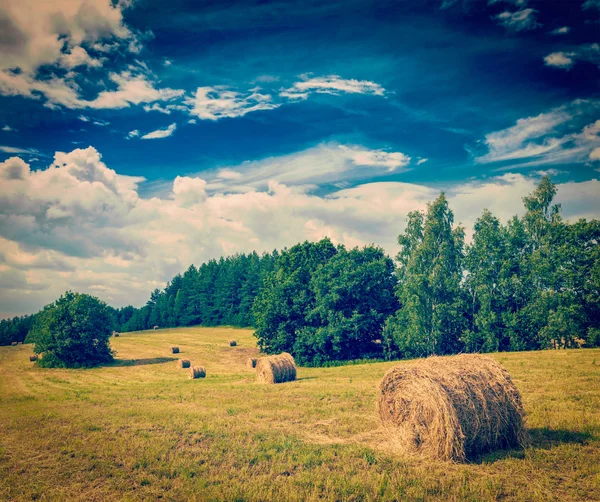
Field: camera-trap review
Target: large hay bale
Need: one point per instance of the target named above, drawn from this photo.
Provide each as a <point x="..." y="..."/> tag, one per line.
<point x="232" y="343"/>
<point x="251" y="362"/>
<point x="155" y="327"/>
<point x="14" y="344"/>
<point x="450" y="408"/>
<point x="276" y="369"/>
<point x="197" y="372"/>
<point x="33" y="358"/>
<point x="175" y="350"/>
<point x="184" y="363"/>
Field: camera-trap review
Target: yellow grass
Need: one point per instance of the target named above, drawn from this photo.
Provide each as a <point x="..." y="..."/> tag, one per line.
<point x="142" y="430"/>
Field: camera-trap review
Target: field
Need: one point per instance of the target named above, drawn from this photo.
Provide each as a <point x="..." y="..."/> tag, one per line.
<point x="141" y="430"/>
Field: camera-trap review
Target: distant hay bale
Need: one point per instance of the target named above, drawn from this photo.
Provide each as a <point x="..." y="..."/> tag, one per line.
<point x="450" y="408"/>
<point x="115" y="333"/>
<point x="232" y="343"/>
<point x="14" y="343"/>
<point x="19" y="343"/>
<point x="251" y="362"/>
<point x="197" y="372"/>
<point x="276" y="369"/>
<point x="175" y="350"/>
<point x="33" y="358"/>
<point x="155" y="327"/>
<point x="184" y="363"/>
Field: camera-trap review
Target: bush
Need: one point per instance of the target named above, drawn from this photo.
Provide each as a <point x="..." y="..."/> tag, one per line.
<point x="73" y="332"/>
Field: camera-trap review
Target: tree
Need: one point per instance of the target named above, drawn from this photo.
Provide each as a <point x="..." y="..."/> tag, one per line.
<point x="354" y="295"/>
<point x="73" y="332"/>
<point x="285" y="297"/>
<point x="430" y="319"/>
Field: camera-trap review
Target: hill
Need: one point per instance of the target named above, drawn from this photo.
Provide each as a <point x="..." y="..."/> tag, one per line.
<point x="140" y="429"/>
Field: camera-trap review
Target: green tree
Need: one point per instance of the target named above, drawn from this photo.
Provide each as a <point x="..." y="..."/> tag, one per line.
<point x="354" y="294"/>
<point x="431" y="317"/>
<point x="73" y="332"/>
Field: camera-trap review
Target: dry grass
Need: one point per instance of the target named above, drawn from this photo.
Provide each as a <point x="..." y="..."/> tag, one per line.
<point x="276" y="369"/>
<point x="140" y="430"/>
<point x="449" y="408"/>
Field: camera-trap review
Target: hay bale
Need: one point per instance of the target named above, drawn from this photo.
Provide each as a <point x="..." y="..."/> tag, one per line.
<point x="251" y="362"/>
<point x="155" y="327"/>
<point x="184" y="363"/>
<point x="14" y="344"/>
<point x="197" y="372"/>
<point x="276" y="369"/>
<point x="175" y="350"/>
<point x="232" y="343"/>
<point x="450" y="408"/>
<point x="115" y="333"/>
<point x="33" y="358"/>
<point x="19" y="343"/>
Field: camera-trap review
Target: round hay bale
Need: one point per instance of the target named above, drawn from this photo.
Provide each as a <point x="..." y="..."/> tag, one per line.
<point x="175" y="350"/>
<point x="450" y="408"/>
<point x="184" y="363"/>
<point x="155" y="327"/>
<point x="116" y="334"/>
<point x="276" y="369"/>
<point x="14" y="343"/>
<point x="197" y="372"/>
<point x="251" y="362"/>
<point x="33" y="358"/>
<point x="232" y="343"/>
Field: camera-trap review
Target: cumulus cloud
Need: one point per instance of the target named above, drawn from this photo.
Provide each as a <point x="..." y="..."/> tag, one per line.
<point x="565" y="60"/>
<point x="563" y="30"/>
<point x="78" y="224"/>
<point x="560" y="59"/>
<point x="160" y="133"/>
<point x="7" y="128"/>
<point x="521" y="20"/>
<point x="544" y="139"/>
<point x="133" y="134"/>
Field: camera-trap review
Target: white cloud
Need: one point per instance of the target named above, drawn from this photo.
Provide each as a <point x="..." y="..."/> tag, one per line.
<point x="326" y="164"/>
<point x="331" y="84"/>
<point x="421" y="161"/>
<point x="559" y="59"/>
<point x="7" y="128"/>
<point x="595" y="153"/>
<point x="564" y="60"/>
<point x="13" y="149"/>
<point x="161" y="133"/>
<point x="80" y="225"/>
<point x="192" y="121"/>
<point x="133" y="134"/>
<point x="563" y="30"/>
<point x="214" y="103"/>
<point x="97" y="122"/>
<point x="521" y="20"/>
<point x="78" y="56"/>
<point x="544" y="139"/>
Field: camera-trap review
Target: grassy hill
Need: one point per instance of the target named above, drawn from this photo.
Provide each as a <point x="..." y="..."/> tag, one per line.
<point x="140" y="429"/>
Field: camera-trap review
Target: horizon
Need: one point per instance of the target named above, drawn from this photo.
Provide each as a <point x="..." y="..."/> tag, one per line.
<point x="137" y="139"/>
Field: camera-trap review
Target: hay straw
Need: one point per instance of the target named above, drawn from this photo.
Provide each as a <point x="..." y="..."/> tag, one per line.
<point x="184" y="363"/>
<point x="451" y="408"/>
<point x="251" y="362"/>
<point x="197" y="372"/>
<point x="276" y="369"/>
<point x="175" y="350"/>
<point x="232" y="343"/>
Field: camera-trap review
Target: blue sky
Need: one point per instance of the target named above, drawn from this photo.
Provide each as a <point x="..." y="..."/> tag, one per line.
<point x="186" y="130"/>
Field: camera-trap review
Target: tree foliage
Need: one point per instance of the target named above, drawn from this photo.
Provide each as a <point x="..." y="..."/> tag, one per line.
<point x="73" y="332"/>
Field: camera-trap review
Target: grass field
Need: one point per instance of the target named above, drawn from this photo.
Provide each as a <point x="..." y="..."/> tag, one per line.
<point x="141" y="430"/>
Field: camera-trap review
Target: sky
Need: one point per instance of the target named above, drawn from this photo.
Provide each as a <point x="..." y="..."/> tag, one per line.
<point x="138" y="136"/>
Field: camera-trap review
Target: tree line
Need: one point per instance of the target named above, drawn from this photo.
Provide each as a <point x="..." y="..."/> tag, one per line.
<point x="531" y="283"/>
